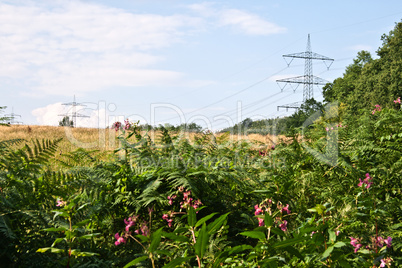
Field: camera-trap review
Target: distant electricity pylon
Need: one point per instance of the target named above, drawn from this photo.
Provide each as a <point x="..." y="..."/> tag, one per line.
<point x="12" y="117"/>
<point x="308" y="79"/>
<point x="74" y="113"/>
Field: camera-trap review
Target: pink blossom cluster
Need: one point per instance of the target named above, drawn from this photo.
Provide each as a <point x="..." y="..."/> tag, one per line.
<point x="142" y="228"/>
<point x="61" y="203"/>
<point x="398" y="100"/>
<point x="189" y="201"/>
<point x="338" y="126"/>
<point x="377" y="109"/>
<point x="185" y="204"/>
<point x="376" y="242"/>
<point x="380" y="242"/>
<point x="355" y="242"/>
<point x="116" y="125"/>
<point x="169" y="218"/>
<point x="368" y="181"/>
<point x="266" y="207"/>
<point x="127" y="124"/>
<point x="386" y="262"/>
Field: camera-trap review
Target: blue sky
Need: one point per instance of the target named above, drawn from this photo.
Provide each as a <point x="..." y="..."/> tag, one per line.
<point x="213" y="62"/>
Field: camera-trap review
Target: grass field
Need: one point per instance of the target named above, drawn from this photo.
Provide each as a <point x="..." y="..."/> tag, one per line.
<point x="105" y="139"/>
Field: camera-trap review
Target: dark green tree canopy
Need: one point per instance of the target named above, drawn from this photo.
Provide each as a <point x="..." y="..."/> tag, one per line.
<point x="367" y="81"/>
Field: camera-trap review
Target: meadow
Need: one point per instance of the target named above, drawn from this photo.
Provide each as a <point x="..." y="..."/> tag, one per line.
<point x="327" y="196"/>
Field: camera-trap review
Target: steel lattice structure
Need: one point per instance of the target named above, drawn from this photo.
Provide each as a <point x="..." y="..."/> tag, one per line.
<point x="308" y="79"/>
<point x="74" y="113"/>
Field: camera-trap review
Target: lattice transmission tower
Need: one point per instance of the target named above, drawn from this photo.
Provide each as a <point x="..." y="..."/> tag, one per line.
<point x="74" y="113"/>
<point x="12" y="117"/>
<point x="308" y="79"/>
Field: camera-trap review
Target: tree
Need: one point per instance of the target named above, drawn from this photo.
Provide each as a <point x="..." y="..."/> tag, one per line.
<point x="4" y="120"/>
<point x="66" y="122"/>
<point x="367" y="82"/>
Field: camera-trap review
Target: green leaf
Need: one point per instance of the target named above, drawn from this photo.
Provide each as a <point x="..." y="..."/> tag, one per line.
<point x="255" y="234"/>
<point x="217" y="223"/>
<point x="177" y="261"/>
<point x="76" y="252"/>
<point x="191" y="217"/>
<point x="60" y="229"/>
<point x="327" y="252"/>
<point x="88" y="236"/>
<point x="294" y="252"/>
<point x="163" y="252"/>
<point x="58" y="240"/>
<point x="135" y="261"/>
<point x="81" y="223"/>
<point x="202" y="241"/>
<point x="174" y="237"/>
<point x="52" y="250"/>
<point x="332" y="236"/>
<point x="339" y="244"/>
<point x="201" y="221"/>
<point x="268" y="220"/>
<point x="289" y="242"/>
<point x="155" y="240"/>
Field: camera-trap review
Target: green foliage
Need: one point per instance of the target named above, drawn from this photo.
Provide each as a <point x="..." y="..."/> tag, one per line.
<point x="368" y="81"/>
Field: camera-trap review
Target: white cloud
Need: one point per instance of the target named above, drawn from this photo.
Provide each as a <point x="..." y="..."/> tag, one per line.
<point x="249" y="23"/>
<point x="49" y="115"/>
<point x="82" y="47"/>
<point x="360" y="48"/>
<point x="240" y="21"/>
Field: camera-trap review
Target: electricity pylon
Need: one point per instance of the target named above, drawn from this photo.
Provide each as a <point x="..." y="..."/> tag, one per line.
<point x="12" y="117"/>
<point x="308" y="79"/>
<point x="74" y="113"/>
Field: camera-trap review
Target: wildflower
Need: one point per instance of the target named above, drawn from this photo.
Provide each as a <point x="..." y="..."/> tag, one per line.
<point x="116" y="125"/>
<point x="127" y="124"/>
<point x="283" y="226"/>
<point x="171" y="198"/>
<point x="386" y="261"/>
<point x="262" y="153"/>
<point x="258" y="210"/>
<point x="61" y="203"/>
<point x="130" y="222"/>
<point x="119" y="239"/>
<point x="144" y="229"/>
<point x="327" y="129"/>
<point x="260" y="222"/>
<point x="367" y="181"/>
<point x="398" y="100"/>
<point x="186" y="194"/>
<point x="355" y="243"/>
<point x="377" y="109"/>
<point x="337" y="233"/>
<point x="286" y="209"/>
<point x="273" y="147"/>
<point x="388" y="242"/>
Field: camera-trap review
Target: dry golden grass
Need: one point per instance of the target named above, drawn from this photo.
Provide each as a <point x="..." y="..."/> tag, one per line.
<point x="105" y="140"/>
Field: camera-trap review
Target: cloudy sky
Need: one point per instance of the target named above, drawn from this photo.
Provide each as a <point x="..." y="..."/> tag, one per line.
<point x="173" y="61"/>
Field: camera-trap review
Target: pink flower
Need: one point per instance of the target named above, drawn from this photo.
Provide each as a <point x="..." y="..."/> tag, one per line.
<point x="367" y="181"/>
<point x="327" y="129"/>
<point x="388" y="242"/>
<point x="171" y="198"/>
<point x="355" y="243"/>
<point x="61" y="203"/>
<point x="386" y="262"/>
<point x="186" y="194"/>
<point x="260" y="222"/>
<point x="398" y="100"/>
<point x="286" y="209"/>
<point x="337" y="233"/>
<point x="283" y="226"/>
<point x="165" y="216"/>
<point x="119" y="239"/>
<point x="258" y="210"/>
